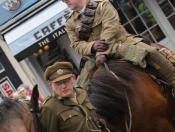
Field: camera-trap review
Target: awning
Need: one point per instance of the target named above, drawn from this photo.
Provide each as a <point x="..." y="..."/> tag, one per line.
<point x="38" y="31"/>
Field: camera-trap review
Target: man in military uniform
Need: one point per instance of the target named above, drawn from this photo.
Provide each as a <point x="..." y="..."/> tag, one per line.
<point x="68" y="109"/>
<point x="94" y="28"/>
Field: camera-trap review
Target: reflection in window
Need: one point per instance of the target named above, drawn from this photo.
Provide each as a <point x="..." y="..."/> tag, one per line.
<point x="138" y="25"/>
<point x="52" y="53"/>
<point x="137" y="19"/>
<point x="157" y="33"/>
<point x="1" y="68"/>
<point x="130" y="29"/>
<point x="165" y="6"/>
<point x="172" y="21"/>
<point x="168" y="9"/>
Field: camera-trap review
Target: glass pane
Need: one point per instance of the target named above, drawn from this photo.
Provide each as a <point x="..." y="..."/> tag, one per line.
<point x="1" y="68"/>
<point x="172" y="21"/>
<point x="52" y="53"/>
<point x="157" y="33"/>
<point x="147" y="34"/>
<point x="129" y="29"/>
<point x="138" y="25"/>
<point x="114" y="3"/>
<point x="148" y="18"/>
<point x="166" y="7"/>
<point x="122" y="17"/>
<point x="128" y="9"/>
<point x="172" y="2"/>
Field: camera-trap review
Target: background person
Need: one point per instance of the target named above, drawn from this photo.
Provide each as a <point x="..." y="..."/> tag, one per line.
<point x="68" y="109"/>
<point x="25" y="92"/>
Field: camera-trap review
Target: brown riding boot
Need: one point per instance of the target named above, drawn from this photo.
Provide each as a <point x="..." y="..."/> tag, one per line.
<point x="159" y="62"/>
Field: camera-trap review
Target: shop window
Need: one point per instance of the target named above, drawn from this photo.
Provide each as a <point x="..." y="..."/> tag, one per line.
<point x="168" y="8"/>
<point x="157" y="33"/>
<point x="137" y="19"/>
<point x="52" y="53"/>
<point x="130" y="28"/>
<point x="1" y="68"/>
<point x="138" y="25"/>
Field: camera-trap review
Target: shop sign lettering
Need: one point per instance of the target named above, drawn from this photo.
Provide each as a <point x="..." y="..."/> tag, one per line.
<point x="52" y="26"/>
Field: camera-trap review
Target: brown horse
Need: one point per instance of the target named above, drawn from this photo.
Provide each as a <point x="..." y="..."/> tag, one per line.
<point x="19" y="116"/>
<point x="130" y="100"/>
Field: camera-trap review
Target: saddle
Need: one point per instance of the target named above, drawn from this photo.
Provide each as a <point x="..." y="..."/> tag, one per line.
<point x="87" y="71"/>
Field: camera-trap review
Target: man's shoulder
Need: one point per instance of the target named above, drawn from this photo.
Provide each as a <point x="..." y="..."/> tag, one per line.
<point x="71" y="14"/>
<point x="46" y="100"/>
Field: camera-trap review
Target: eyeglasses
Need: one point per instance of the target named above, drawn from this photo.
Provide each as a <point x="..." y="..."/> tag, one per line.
<point x="65" y="81"/>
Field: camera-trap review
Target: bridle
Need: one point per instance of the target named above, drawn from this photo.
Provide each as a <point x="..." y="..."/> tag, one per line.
<point x="36" y="121"/>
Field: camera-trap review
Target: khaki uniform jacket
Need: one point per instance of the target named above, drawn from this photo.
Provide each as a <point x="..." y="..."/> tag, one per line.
<point x="106" y="26"/>
<point x="57" y="115"/>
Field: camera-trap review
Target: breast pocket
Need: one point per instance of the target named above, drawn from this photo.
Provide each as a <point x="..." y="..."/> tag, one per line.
<point x="70" y="120"/>
<point x="90" y="106"/>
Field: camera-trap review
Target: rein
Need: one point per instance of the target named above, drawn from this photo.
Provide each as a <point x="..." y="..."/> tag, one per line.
<point x="128" y="127"/>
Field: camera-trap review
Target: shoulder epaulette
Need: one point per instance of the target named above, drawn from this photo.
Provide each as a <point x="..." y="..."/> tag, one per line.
<point x="46" y="99"/>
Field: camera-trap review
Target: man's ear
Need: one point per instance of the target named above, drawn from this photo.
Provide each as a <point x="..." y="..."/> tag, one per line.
<point x="51" y="85"/>
<point x="73" y="78"/>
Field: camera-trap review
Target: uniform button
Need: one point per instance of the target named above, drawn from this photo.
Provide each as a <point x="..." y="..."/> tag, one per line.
<point x="96" y="23"/>
<point x="70" y="115"/>
<point x="92" y="33"/>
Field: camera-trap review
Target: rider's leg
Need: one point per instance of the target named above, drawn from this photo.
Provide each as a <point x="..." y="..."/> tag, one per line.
<point x="159" y="62"/>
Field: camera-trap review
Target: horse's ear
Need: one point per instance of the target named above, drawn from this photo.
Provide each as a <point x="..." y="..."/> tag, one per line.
<point x="34" y="97"/>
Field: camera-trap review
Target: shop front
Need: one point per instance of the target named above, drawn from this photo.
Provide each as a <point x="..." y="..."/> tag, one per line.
<point x="41" y="40"/>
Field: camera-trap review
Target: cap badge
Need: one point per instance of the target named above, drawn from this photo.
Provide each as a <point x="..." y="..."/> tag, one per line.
<point x="60" y="71"/>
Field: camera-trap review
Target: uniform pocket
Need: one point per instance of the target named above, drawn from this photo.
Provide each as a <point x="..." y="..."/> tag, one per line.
<point x="90" y="106"/>
<point x="70" y="120"/>
<point x="70" y="114"/>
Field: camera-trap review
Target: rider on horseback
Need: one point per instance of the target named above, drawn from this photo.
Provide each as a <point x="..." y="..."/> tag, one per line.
<point x="94" y="29"/>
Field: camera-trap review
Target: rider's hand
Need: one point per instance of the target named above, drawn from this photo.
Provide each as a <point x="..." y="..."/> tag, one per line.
<point x="100" y="59"/>
<point x="99" y="46"/>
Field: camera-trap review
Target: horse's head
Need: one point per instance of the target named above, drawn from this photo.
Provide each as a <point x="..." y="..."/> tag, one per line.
<point x="20" y="116"/>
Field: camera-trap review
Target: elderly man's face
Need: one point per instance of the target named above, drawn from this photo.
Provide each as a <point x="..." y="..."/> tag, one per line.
<point x="23" y="92"/>
<point x="64" y="88"/>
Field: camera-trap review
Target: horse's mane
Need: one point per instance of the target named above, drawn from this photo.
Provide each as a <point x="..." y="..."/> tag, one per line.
<point x="108" y="94"/>
<point x="10" y="109"/>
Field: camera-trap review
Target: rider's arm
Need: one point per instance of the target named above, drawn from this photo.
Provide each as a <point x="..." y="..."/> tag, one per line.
<point x="106" y="26"/>
<point x="80" y="46"/>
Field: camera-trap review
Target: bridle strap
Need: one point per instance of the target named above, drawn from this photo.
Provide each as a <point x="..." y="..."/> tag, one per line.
<point x="37" y="125"/>
<point x="36" y="121"/>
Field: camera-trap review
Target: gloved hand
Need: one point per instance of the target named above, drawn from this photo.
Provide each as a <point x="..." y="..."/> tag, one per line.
<point x="99" y="46"/>
<point x="100" y="60"/>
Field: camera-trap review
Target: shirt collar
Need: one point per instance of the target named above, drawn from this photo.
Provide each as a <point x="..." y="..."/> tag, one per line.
<point x="82" y="10"/>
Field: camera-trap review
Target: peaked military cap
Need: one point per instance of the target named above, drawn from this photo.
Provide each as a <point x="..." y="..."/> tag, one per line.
<point x="58" y="71"/>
